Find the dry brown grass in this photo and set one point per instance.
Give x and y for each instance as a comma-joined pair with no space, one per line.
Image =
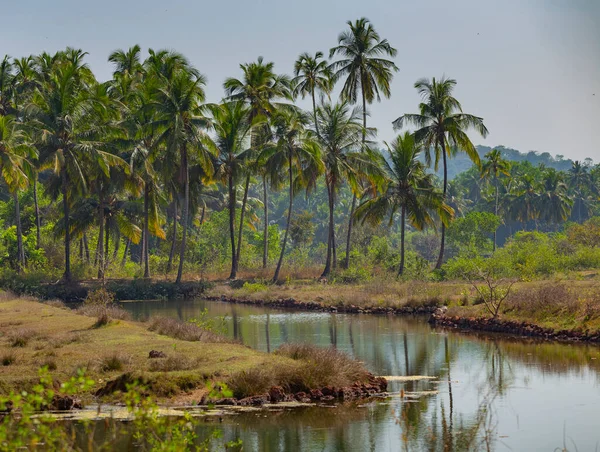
375,293
182,330
173,362
21,337
552,304
314,368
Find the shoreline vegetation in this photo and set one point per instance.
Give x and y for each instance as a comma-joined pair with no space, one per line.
167,357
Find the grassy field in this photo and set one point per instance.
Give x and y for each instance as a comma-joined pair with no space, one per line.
34,334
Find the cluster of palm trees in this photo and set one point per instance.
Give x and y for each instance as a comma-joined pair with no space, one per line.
118,155
521,194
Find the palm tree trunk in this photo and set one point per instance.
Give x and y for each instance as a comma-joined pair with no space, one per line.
99,248
116,248
244,201
402,232
146,254
81,249
364,138
315,111
186,206
496,213
124,260
347,258
234,263
65,186
172,251
37,213
107,242
86,248
287,225
143,252
265,224
330,240
440,260
20,250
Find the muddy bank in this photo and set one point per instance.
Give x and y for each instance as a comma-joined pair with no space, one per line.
315,306
516,328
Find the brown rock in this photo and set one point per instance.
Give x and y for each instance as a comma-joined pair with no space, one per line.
156,354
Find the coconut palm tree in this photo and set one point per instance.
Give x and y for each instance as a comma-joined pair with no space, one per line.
65,112
409,190
178,115
295,149
232,126
14,151
441,127
363,65
554,201
311,74
339,131
492,168
582,186
261,88
6,86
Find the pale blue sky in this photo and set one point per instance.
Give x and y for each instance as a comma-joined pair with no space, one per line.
529,67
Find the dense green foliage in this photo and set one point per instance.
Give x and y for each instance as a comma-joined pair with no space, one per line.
137,175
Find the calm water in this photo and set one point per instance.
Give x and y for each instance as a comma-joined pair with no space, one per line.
526,395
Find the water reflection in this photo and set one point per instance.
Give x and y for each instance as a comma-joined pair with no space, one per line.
490,392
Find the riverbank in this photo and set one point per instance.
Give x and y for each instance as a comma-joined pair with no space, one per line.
177,363
550,310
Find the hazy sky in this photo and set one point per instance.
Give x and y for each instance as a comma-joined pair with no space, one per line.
530,68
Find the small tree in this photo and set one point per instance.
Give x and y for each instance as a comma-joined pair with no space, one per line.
492,290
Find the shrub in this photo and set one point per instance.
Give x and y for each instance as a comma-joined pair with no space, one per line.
318,367
184,331
103,313
99,297
251,382
114,362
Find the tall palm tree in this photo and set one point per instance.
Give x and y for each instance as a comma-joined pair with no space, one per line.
362,62
25,80
178,115
64,113
294,148
232,126
6,85
441,127
14,150
581,184
554,203
492,168
311,74
409,189
339,131
523,198
261,88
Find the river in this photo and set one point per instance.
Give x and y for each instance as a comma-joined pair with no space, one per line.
488,392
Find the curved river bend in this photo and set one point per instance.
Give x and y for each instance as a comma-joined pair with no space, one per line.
488,390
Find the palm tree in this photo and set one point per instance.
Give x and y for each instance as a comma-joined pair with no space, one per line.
523,198
25,80
365,69
339,131
232,126
311,75
293,148
64,112
260,88
13,153
441,127
581,183
178,116
492,168
6,86
409,189
554,203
